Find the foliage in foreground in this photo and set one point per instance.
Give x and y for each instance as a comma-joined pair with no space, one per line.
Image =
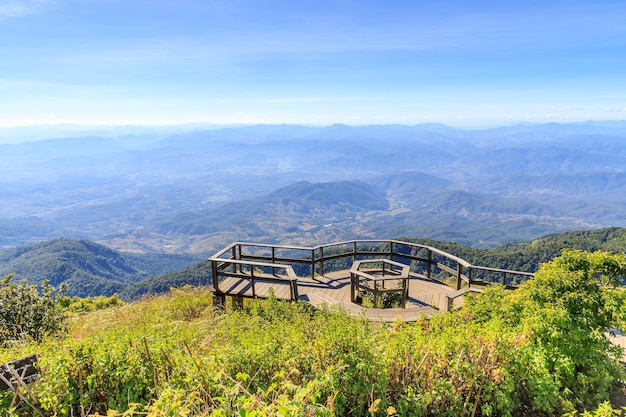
27,313
541,350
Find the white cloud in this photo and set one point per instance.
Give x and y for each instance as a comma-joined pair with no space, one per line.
18,8
294,100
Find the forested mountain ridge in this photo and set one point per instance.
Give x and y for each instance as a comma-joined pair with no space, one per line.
526,256
92,269
87,267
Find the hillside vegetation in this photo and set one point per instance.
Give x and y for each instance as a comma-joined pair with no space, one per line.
91,269
88,268
539,351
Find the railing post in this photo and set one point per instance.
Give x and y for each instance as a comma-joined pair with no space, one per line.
459,272
294,290
391,251
237,302
354,252
252,280
405,291
504,278
322,260
219,300
430,263
215,276
352,290
469,277
313,263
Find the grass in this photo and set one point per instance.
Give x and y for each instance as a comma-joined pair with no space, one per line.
176,355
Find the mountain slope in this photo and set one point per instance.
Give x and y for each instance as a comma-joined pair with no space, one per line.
87,267
194,191
281,211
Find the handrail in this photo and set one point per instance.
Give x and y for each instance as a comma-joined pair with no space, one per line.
292,278
291,275
314,257
391,274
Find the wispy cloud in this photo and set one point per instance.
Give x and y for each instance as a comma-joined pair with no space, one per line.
295,100
18,8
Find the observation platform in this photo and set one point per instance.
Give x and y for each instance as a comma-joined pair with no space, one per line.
424,279
425,296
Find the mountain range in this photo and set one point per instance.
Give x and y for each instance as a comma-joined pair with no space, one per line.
194,191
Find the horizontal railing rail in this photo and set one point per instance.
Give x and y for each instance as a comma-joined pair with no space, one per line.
370,276
425,260
254,272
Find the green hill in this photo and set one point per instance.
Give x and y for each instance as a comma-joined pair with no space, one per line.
197,275
87,267
526,256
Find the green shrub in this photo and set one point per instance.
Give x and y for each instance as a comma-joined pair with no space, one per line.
27,313
538,351
86,304
562,317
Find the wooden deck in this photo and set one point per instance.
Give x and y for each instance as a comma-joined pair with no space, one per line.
333,289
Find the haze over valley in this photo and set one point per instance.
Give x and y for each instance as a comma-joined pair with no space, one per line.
194,191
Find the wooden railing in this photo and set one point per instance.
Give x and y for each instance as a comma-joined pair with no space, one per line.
371,275
254,272
311,261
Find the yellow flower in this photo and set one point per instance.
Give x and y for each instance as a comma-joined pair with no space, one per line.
374,407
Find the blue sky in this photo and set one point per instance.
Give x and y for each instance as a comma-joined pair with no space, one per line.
462,63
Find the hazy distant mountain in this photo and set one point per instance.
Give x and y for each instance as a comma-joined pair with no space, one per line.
342,195
609,185
410,183
303,207
191,190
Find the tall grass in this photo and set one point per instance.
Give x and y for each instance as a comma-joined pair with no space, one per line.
176,355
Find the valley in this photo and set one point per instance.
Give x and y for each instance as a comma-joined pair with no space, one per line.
194,191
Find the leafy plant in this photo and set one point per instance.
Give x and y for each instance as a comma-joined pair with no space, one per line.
27,313
540,350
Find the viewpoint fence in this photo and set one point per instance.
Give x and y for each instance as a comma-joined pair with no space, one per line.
289,263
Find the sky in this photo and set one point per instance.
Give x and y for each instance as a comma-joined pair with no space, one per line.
167,62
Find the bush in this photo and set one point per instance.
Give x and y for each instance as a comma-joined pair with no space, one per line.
86,304
539,351
28,314
562,317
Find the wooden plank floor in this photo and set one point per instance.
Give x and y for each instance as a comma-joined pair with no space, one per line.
425,296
